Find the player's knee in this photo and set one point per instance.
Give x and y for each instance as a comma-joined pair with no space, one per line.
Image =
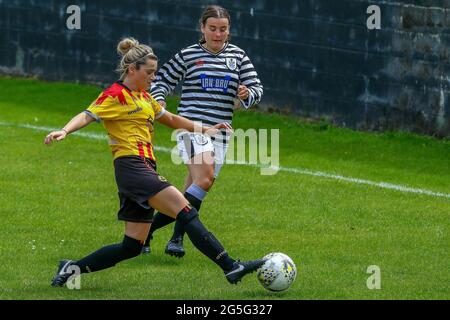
206,181
131,247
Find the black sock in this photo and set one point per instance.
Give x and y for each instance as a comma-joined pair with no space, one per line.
178,230
204,240
159,220
108,256
196,202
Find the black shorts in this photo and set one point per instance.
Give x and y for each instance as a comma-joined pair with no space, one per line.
137,181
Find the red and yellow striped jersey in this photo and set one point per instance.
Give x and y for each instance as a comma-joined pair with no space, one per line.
128,118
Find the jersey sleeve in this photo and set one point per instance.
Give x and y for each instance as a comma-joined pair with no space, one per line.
157,108
104,107
168,77
249,78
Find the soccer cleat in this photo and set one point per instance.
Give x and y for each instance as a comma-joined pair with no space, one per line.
240,269
175,247
62,274
146,250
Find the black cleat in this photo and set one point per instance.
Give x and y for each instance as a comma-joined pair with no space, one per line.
62,274
146,250
240,269
175,247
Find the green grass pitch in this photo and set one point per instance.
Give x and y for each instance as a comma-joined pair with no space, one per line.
61,202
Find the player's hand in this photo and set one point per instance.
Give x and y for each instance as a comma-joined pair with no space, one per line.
162,103
242,92
211,131
55,135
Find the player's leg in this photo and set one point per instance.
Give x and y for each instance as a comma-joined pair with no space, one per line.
203,170
197,152
108,256
160,220
189,145
137,180
192,148
173,203
201,173
188,181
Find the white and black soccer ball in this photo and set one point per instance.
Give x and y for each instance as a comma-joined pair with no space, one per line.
278,272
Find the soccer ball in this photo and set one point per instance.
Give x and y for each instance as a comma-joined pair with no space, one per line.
278,272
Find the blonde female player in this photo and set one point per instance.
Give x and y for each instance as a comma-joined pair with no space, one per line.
128,112
214,72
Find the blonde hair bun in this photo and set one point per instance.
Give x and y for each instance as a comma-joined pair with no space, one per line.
132,53
126,45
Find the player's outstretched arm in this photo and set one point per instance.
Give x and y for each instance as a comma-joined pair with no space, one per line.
177,122
81,120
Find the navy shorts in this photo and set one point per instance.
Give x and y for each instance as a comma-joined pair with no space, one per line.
137,181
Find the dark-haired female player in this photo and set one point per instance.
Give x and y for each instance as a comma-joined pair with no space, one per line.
213,73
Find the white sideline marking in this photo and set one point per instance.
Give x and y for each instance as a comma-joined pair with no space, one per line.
383,185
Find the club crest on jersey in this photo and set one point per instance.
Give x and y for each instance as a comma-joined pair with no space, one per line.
200,139
231,63
162,179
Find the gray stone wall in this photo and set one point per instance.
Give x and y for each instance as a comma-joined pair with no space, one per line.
316,58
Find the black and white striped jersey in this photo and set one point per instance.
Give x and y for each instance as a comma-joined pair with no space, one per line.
209,82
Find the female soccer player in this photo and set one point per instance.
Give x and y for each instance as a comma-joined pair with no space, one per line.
213,72
128,113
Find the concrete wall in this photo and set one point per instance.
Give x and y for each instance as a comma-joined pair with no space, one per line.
316,58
